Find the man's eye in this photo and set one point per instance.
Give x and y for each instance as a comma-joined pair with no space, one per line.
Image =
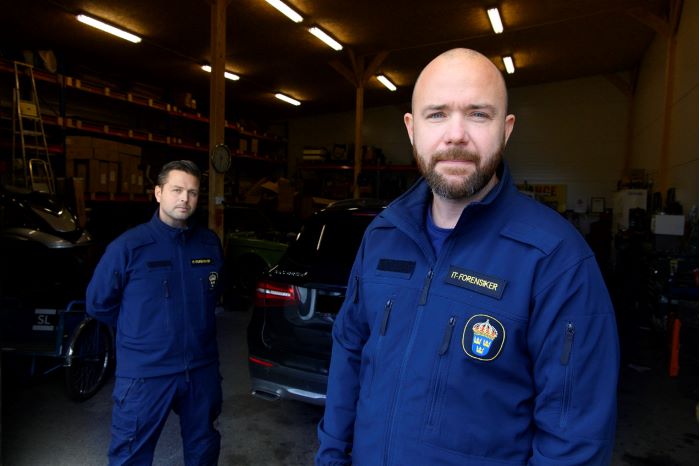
481,115
436,115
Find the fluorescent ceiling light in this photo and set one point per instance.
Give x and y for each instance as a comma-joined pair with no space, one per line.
288,99
227,75
107,28
495,19
384,80
325,38
286,11
508,63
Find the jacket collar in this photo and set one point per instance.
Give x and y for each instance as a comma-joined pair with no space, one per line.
408,211
163,228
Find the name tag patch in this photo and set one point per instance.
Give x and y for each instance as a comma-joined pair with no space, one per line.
396,267
159,264
475,281
202,261
483,337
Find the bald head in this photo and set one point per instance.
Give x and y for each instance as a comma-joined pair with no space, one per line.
466,63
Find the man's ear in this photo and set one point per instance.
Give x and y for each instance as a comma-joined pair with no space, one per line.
158,191
510,122
408,121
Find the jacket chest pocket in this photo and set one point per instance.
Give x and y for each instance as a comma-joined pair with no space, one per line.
146,310
208,286
469,407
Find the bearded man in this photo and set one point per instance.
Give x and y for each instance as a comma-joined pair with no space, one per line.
477,329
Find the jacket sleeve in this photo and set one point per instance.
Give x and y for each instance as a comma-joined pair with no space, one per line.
104,292
573,343
350,332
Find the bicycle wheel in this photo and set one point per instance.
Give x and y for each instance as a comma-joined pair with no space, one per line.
88,360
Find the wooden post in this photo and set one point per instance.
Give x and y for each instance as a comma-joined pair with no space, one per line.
217,105
359,116
358,76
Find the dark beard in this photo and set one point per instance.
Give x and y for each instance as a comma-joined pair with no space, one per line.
470,184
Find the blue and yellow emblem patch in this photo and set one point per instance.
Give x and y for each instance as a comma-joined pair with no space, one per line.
213,279
483,337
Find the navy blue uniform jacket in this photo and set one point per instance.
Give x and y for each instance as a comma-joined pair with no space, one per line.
159,286
501,350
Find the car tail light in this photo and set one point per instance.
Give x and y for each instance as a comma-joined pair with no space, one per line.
269,294
260,362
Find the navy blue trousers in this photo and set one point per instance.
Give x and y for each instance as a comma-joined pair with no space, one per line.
141,408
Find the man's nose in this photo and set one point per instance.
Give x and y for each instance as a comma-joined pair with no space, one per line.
456,131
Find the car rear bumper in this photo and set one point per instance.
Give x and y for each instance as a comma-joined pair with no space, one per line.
281,382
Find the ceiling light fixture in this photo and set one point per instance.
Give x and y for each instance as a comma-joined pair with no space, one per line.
384,80
495,19
288,99
286,10
227,75
325,38
107,28
508,63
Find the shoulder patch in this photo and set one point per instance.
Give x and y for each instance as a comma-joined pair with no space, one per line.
531,235
483,337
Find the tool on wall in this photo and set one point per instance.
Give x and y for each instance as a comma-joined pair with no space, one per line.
31,165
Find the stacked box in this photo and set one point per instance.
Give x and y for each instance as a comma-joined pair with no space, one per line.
107,166
131,180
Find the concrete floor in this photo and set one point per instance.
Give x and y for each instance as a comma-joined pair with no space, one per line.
657,416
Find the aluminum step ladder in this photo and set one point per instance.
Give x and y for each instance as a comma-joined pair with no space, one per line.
31,163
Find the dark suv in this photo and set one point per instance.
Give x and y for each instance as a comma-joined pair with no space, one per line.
289,335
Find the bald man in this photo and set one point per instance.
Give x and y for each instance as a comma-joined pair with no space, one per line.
477,329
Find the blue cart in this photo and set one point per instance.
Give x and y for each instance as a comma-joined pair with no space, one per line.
69,339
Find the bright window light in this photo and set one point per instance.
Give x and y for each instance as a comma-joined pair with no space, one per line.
508,63
286,10
227,75
107,28
325,38
495,19
384,80
288,99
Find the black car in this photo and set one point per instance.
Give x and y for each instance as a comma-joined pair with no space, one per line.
289,335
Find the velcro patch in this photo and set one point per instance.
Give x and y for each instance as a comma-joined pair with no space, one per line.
159,264
475,281
395,265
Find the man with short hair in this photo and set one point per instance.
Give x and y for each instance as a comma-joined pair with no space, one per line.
158,284
477,329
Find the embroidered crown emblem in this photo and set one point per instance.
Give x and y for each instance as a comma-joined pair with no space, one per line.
485,329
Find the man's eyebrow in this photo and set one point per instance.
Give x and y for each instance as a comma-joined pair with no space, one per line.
441,107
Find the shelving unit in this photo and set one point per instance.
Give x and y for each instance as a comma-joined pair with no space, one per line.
186,130
334,181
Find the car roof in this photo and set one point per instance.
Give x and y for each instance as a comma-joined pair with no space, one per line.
364,204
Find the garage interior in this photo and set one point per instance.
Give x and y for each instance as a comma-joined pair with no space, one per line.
606,102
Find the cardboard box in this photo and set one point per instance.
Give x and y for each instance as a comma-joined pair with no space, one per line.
106,150
79,152
79,147
91,171
84,141
113,177
100,182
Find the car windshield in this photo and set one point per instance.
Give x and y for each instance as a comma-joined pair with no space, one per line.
331,238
